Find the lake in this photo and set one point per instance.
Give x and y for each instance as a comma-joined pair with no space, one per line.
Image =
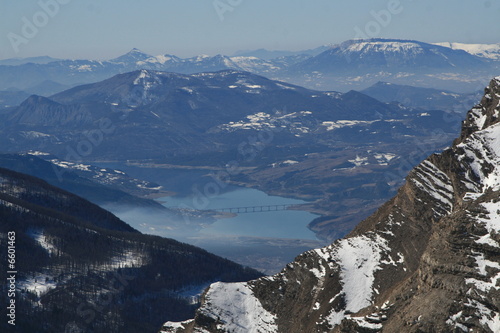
275,224
266,240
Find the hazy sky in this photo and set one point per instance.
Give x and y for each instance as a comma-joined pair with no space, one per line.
103,29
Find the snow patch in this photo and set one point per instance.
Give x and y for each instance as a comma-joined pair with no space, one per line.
42,240
37,153
384,158
332,125
363,322
358,258
34,135
359,161
174,327
237,309
452,321
125,260
262,120
39,284
487,316
492,224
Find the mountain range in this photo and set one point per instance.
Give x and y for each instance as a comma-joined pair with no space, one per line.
207,112
33,60
274,55
209,119
354,64
426,261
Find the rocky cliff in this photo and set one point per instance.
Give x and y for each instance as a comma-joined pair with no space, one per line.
427,261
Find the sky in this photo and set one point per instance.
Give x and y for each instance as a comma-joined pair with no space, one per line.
104,29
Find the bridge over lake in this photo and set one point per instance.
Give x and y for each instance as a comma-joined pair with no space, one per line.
253,209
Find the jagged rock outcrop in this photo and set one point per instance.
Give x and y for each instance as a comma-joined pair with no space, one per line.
427,261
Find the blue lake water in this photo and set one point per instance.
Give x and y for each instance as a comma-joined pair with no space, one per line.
276,224
266,241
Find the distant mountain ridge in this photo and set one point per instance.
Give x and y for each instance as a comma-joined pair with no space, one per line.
270,55
168,106
425,98
374,54
22,61
399,60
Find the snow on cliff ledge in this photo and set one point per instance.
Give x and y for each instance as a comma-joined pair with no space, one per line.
237,309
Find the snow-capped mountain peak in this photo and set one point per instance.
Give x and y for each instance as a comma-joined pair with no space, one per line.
132,56
382,46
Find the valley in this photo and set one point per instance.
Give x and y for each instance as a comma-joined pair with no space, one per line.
264,240
343,153
159,169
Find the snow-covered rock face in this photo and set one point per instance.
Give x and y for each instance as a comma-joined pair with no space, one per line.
485,113
231,307
426,261
356,259
237,309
